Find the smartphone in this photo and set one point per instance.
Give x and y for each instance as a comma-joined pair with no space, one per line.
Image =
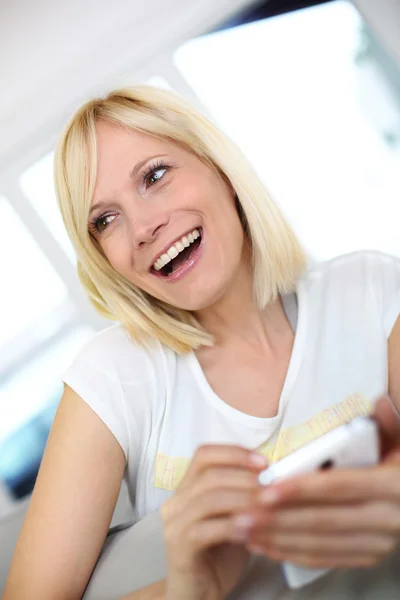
355,444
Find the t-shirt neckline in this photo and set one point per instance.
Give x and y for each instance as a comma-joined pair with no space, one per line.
266,423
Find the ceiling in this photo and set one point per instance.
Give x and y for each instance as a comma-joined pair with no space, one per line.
59,52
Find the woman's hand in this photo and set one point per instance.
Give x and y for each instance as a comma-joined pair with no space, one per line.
339,518
205,552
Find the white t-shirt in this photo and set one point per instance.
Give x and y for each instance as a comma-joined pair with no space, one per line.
160,407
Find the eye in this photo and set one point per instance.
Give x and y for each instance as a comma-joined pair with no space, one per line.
154,174
100,224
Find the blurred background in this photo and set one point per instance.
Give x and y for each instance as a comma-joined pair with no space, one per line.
309,90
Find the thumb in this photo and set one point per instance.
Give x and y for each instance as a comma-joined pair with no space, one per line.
388,420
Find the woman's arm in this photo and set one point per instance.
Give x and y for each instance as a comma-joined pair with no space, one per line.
394,365
71,507
156,591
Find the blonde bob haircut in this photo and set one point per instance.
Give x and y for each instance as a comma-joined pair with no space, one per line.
277,257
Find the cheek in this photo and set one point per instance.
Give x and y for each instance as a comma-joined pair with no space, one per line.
221,205
118,254
229,228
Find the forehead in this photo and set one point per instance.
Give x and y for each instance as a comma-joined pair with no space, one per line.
120,150
116,140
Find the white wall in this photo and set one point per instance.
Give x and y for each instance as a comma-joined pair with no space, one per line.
59,52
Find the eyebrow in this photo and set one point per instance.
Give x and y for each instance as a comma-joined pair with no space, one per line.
132,175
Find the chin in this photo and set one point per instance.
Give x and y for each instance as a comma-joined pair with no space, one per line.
198,297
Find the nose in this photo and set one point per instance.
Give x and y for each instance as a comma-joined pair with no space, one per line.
148,229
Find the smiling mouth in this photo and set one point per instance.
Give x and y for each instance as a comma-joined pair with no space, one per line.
179,255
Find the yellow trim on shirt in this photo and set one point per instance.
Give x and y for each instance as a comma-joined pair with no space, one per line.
170,470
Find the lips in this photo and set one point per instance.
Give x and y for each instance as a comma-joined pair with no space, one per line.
182,260
174,249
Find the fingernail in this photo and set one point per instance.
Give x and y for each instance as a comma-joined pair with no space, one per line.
243,522
239,535
258,460
269,496
256,550
241,527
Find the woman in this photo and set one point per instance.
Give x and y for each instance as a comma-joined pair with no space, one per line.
230,353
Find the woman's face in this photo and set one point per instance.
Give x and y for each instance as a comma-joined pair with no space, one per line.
164,220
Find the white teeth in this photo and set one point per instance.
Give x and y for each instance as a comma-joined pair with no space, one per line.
173,252
175,249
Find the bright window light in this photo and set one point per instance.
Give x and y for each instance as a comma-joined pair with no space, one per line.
39,382
38,186
159,82
30,285
311,99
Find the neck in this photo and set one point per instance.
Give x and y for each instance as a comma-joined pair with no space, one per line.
235,317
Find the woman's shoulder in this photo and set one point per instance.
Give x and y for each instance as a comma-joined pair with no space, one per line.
368,280
112,340
354,267
113,352
122,383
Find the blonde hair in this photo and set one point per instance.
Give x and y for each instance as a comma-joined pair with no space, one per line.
278,259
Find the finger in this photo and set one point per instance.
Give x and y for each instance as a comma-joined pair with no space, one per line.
223,455
207,494
336,487
319,560
225,477
388,420
377,545
392,457
214,503
213,480
368,517
207,533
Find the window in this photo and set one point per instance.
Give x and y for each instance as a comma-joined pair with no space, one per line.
160,82
314,102
38,186
33,287
41,330
28,401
